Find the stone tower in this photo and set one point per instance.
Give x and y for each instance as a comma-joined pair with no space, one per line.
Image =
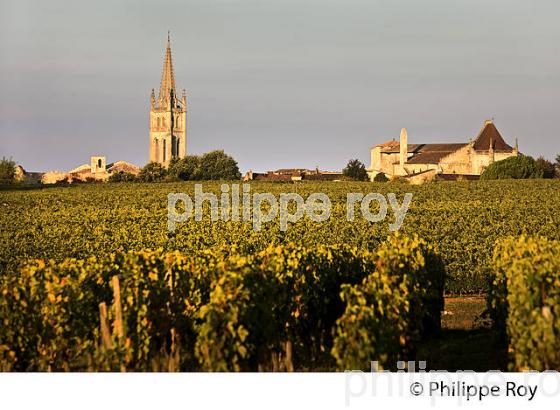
168,117
403,150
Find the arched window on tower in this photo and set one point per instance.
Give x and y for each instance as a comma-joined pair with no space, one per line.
99,164
159,122
177,149
164,149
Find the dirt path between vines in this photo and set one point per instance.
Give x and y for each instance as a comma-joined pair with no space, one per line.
466,341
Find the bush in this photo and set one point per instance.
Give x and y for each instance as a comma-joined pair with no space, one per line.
7,171
391,310
518,167
122,176
525,301
152,172
547,168
356,170
380,177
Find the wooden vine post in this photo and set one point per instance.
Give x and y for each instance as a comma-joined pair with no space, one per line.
118,327
106,343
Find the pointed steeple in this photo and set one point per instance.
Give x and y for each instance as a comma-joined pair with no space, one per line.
168,76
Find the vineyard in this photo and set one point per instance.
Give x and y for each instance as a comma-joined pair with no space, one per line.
92,280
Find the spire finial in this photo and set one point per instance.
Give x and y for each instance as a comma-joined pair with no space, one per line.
168,36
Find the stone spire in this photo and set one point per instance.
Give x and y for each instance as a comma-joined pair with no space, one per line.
168,76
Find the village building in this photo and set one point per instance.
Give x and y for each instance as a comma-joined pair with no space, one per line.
423,162
293,174
168,117
96,170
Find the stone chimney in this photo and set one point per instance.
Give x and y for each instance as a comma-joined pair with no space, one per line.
404,148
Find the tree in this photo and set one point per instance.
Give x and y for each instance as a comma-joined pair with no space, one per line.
216,165
356,170
548,169
122,176
186,169
518,167
7,171
152,172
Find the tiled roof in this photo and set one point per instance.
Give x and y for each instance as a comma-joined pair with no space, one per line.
433,153
488,133
290,171
124,167
330,176
395,146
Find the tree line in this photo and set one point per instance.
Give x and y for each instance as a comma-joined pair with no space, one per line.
217,165
214,165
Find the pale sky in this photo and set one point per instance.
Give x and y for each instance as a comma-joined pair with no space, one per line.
276,84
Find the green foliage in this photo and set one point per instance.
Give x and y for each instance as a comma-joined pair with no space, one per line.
380,177
7,171
280,296
186,169
217,165
463,220
217,311
152,172
518,167
51,311
287,284
122,176
525,300
389,312
214,165
356,170
547,168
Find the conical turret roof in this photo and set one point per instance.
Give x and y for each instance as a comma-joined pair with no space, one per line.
489,135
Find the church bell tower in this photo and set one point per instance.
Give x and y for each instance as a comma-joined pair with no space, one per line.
168,117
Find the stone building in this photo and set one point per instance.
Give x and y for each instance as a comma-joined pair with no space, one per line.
168,117
422,162
96,170
293,174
